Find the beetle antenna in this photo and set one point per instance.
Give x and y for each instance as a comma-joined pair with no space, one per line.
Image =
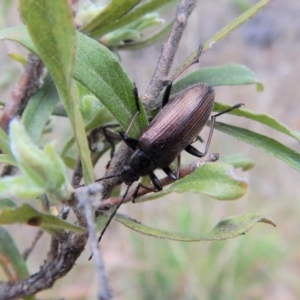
111,216
110,176
194,61
131,122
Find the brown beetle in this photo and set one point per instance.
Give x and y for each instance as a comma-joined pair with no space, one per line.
173,130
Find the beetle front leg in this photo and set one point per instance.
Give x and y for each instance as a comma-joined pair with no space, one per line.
155,182
170,173
166,95
130,142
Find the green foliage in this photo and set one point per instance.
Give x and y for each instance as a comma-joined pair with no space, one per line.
89,81
225,229
214,179
42,170
56,48
25,214
39,109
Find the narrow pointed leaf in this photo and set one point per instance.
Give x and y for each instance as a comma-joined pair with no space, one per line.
26,214
216,76
111,13
225,31
4,142
131,16
147,41
261,118
270,145
99,71
56,47
7,203
7,159
225,229
216,180
11,260
39,109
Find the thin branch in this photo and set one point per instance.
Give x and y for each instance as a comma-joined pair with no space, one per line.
168,52
29,83
70,250
87,198
108,203
28,251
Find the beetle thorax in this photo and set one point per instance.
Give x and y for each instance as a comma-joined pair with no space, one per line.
140,163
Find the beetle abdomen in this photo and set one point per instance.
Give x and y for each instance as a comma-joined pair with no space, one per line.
177,124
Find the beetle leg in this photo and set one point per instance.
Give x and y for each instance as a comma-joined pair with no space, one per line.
213,121
136,97
192,150
178,165
170,173
140,185
112,215
155,182
130,142
199,138
166,94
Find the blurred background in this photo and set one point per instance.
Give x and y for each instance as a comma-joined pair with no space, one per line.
263,264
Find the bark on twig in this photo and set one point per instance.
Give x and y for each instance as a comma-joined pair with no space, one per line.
88,198
168,52
29,83
70,250
108,203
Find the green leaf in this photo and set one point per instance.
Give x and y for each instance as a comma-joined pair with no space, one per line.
39,109
148,41
26,214
216,76
56,47
225,229
235,24
7,203
101,117
279,150
4,142
17,186
261,118
112,12
18,34
221,34
44,169
216,180
99,71
7,159
131,16
11,260
238,160
133,31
